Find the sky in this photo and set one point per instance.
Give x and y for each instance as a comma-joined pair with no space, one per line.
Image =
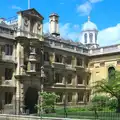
73,14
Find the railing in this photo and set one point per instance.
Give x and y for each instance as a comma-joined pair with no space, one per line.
7,83
6,35
8,58
105,50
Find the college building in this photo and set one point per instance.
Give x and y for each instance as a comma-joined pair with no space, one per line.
32,61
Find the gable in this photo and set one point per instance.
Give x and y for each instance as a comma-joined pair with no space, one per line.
32,12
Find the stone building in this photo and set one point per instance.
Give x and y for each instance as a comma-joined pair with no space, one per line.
32,61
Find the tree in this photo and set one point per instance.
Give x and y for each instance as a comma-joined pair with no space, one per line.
49,101
111,86
99,102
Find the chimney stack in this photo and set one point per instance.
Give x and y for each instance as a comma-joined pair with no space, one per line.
54,24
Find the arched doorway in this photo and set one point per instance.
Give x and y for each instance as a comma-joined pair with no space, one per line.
31,98
111,73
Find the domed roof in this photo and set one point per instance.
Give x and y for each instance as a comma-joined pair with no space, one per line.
89,25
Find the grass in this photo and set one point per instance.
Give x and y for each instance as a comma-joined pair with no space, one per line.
82,114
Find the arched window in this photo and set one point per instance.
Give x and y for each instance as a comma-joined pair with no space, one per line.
91,37
95,37
85,37
111,73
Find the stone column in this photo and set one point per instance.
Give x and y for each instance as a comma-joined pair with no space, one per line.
73,61
17,97
18,58
22,59
74,79
64,79
63,59
52,57
74,98
22,97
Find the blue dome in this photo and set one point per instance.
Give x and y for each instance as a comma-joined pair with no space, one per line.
89,26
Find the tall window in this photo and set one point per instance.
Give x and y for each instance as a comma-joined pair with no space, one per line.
111,73
69,97
80,97
95,37
85,37
8,97
46,56
47,76
60,100
8,73
58,58
68,60
79,61
32,66
79,79
69,78
37,67
58,78
8,49
91,37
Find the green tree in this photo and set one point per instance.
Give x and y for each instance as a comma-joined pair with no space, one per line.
99,102
49,101
110,86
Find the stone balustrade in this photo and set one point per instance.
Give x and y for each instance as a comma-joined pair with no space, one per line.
105,50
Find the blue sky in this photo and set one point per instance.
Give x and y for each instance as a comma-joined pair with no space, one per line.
73,13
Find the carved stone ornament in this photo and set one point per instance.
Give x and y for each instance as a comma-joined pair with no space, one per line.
42,72
39,26
26,22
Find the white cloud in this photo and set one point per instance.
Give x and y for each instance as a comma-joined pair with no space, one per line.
67,30
84,9
16,7
46,27
109,35
95,1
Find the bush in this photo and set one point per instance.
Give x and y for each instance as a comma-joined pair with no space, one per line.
49,101
112,104
99,102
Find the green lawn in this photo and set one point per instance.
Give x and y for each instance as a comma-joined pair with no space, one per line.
102,115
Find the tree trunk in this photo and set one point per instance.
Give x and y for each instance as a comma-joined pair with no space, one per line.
118,106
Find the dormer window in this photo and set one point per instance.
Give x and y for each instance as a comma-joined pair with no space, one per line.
85,37
91,37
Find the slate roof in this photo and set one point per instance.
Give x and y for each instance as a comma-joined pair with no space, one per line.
63,40
4,25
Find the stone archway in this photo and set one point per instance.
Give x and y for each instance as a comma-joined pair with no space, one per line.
31,99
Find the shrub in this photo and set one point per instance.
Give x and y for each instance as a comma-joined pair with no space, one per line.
49,101
112,104
99,102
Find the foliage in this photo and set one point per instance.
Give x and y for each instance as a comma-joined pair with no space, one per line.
99,102
112,104
49,101
110,86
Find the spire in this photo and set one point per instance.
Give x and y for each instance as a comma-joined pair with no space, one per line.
88,18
